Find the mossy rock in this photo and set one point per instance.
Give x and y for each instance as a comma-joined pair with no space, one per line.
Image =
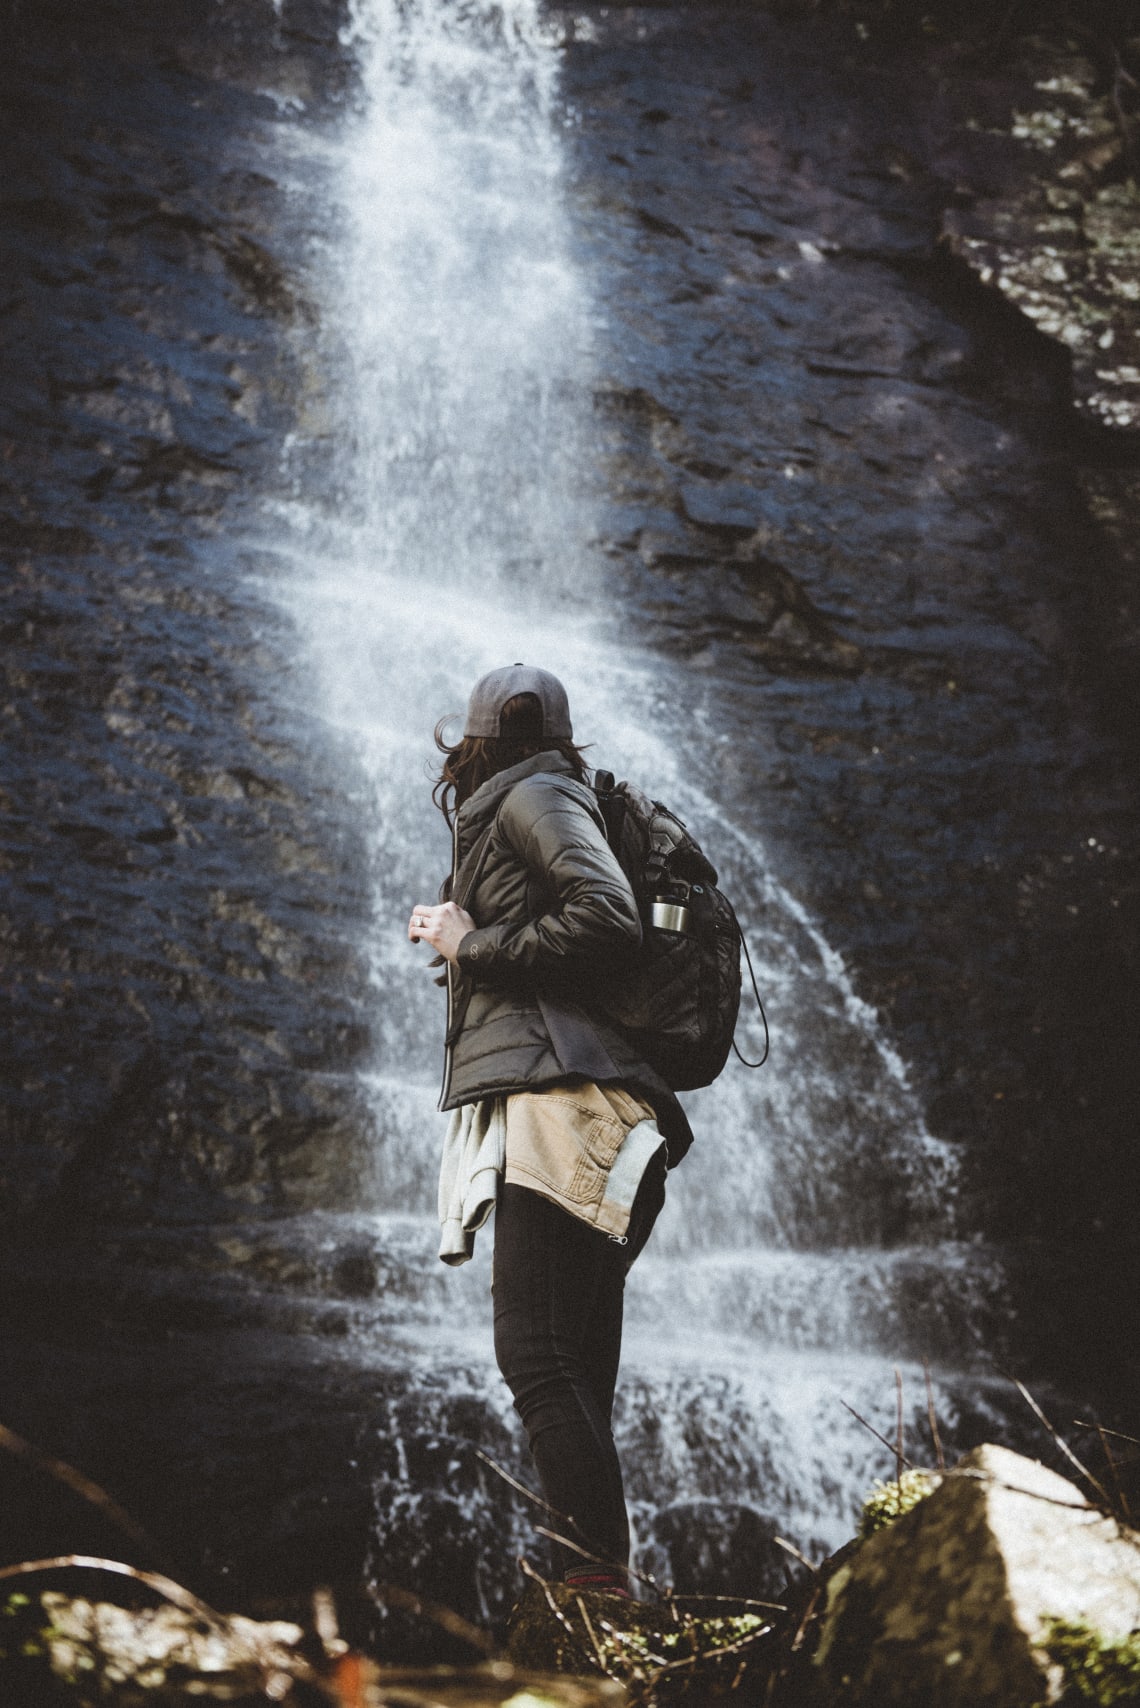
538,1641
1098,1669
662,1652
888,1501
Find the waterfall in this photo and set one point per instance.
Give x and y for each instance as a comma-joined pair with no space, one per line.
810,1240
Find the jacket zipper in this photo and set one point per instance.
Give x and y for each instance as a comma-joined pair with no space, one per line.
446,1085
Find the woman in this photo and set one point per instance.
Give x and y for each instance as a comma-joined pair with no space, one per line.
555,1113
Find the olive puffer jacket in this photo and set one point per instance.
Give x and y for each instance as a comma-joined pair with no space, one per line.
555,918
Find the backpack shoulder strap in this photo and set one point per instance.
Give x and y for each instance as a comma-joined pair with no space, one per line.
612,802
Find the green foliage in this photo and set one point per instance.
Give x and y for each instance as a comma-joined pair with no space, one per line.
695,1638
1100,1669
888,1501
21,1633
665,1654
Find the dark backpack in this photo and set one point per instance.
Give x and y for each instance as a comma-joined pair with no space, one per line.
680,1000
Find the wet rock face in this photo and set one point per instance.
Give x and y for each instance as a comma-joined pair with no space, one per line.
1045,211
183,890
1064,246
844,478
717,1548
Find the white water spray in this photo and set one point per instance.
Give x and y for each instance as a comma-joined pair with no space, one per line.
461,358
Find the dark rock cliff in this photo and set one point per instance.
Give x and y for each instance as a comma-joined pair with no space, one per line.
871,482
184,889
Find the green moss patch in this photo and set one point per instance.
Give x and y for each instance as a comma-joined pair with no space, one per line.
888,1501
1100,1669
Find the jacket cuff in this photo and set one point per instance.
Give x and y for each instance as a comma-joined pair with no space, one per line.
476,949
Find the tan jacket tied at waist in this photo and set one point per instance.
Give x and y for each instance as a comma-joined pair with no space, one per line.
583,1146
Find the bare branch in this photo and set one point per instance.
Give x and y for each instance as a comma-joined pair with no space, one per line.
521,1488
528,1571
1110,1459
391,1594
967,1473
598,1559
1061,1442
736,1601
859,1418
592,1634
574,1547
790,1548
808,1615
703,1655
164,1586
1103,1429
934,1435
80,1485
658,1660
1123,122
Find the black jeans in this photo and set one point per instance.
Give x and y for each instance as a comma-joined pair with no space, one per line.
558,1286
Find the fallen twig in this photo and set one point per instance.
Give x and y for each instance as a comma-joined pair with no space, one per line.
528,1571
702,1655
969,1473
563,1518
173,1592
1121,1497
790,1548
889,1445
385,1594
736,1601
934,1435
658,1660
806,1617
592,1634
1103,1429
161,1584
1120,77
600,1559
535,1499
1062,1443
80,1485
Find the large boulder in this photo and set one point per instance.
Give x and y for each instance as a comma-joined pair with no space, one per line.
953,1605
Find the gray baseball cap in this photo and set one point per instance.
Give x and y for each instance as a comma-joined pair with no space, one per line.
491,693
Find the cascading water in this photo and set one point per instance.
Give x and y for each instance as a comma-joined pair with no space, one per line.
461,350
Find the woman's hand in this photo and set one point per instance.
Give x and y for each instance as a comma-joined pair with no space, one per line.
443,926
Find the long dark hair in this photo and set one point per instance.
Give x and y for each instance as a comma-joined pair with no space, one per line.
471,760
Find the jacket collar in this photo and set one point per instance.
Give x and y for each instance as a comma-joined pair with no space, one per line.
478,810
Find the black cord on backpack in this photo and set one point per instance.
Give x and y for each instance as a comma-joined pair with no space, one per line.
760,1006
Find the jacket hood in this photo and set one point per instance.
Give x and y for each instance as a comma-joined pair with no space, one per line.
480,808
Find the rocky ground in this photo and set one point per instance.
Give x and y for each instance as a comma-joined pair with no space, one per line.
990,1580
